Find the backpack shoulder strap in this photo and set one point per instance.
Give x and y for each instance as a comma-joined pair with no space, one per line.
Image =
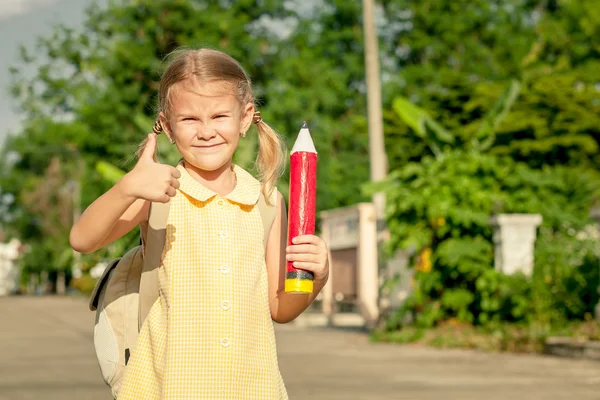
154,242
267,214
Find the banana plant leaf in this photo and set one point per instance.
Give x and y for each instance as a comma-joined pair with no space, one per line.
109,172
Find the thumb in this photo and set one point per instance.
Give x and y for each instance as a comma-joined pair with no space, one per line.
149,151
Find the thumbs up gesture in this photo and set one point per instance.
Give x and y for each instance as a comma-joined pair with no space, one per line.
150,180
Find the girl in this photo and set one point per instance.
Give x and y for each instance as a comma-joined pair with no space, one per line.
210,334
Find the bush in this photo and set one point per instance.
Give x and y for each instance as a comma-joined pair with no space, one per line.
84,284
442,207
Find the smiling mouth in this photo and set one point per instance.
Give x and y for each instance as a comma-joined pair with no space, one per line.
208,146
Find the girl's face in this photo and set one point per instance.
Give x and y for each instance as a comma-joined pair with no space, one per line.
205,121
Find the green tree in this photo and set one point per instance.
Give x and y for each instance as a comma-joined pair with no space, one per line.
557,120
441,52
454,58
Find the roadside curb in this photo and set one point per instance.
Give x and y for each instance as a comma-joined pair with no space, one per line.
568,347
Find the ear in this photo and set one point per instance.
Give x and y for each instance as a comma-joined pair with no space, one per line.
164,121
247,114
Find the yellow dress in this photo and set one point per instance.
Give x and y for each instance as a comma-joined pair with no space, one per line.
210,334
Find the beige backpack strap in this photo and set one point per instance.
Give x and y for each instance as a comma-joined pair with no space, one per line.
154,242
267,214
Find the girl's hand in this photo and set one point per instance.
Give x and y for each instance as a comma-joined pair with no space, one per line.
150,180
310,253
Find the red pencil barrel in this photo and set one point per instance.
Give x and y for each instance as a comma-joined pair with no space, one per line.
303,196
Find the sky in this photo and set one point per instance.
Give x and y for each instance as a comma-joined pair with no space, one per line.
21,23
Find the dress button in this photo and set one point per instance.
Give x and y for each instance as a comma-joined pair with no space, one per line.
224,234
225,305
224,269
225,342
220,203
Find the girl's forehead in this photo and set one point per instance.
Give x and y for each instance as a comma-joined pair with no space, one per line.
191,95
192,86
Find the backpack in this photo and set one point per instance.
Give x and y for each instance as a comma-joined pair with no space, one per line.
128,288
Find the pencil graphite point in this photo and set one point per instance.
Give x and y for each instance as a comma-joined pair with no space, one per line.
304,141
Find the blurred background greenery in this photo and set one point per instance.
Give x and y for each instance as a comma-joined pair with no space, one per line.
490,106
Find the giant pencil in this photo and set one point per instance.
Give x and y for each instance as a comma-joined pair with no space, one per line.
302,208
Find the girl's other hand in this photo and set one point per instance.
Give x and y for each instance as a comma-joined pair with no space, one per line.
150,180
310,253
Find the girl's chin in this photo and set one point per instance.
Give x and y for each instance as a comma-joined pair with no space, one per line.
209,164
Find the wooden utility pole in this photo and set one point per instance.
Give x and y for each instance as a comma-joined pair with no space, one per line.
377,156
76,193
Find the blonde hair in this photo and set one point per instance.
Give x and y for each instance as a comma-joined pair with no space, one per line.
207,65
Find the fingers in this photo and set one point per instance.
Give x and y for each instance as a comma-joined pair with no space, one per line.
171,192
304,257
303,248
319,271
307,239
150,148
175,173
309,253
309,248
309,266
171,183
156,182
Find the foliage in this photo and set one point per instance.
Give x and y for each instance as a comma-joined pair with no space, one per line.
441,206
458,66
535,153
520,338
444,51
566,277
84,284
555,122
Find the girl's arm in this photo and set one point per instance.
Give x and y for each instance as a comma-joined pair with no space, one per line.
126,204
310,252
107,219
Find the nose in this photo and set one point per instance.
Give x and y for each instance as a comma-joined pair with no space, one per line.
205,131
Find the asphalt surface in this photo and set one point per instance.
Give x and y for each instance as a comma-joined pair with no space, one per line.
46,352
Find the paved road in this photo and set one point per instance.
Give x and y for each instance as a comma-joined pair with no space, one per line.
46,353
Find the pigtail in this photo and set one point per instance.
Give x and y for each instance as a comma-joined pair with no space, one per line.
271,157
